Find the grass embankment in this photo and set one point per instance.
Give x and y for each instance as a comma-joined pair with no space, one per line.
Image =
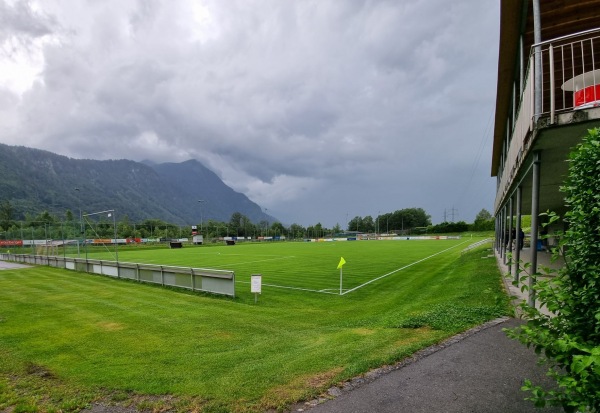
68,339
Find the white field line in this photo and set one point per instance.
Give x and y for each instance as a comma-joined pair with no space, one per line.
293,288
400,269
255,261
229,254
327,290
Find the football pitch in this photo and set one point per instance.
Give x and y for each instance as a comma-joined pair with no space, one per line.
303,266
68,339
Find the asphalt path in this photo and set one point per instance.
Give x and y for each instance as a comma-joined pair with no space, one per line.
481,371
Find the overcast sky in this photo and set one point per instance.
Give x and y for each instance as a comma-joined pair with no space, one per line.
317,110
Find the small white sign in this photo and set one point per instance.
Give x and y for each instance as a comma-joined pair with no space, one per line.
255,283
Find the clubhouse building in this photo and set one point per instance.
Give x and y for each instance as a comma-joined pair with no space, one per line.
548,96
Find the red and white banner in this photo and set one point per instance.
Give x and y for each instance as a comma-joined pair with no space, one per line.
11,243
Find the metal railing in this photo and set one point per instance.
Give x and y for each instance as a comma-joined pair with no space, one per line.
195,279
477,244
519,143
568,65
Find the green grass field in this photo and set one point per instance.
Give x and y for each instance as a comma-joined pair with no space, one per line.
68,339
303,265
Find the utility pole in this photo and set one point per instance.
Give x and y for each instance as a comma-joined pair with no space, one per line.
453,212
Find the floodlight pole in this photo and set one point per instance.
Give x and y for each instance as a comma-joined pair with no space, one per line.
266,224
200,201
112,212
116,241
85,245
80,221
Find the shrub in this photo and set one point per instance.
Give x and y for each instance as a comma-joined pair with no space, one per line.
569,340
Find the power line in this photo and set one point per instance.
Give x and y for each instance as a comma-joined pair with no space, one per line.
482,145
453,212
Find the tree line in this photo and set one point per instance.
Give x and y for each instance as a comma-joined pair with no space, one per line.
417,221
50,226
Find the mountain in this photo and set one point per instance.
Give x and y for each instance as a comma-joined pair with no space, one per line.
34,180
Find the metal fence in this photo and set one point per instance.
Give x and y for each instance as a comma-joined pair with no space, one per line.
569,72
195,279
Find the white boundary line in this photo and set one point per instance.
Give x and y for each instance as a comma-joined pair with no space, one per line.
400,269
325,290
293,288
283,257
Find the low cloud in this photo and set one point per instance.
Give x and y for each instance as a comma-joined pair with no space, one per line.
310,108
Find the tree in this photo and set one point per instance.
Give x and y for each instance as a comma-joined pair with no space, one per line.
483,215
368,225
355,224
336,229
263,225
151,228
384,222
570,338
124,228
405,219
449,227
6,214
315,231
246,226
297,231
46,217
318,230
236,223
278,229
483,221
415,217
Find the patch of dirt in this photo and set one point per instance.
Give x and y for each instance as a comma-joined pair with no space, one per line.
33,369
108,326
102,408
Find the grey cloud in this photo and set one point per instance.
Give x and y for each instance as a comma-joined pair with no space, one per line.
285,100
20,21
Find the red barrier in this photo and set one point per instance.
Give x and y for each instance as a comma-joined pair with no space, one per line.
11,243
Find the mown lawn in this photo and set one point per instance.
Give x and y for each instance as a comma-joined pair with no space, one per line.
307,265
67,339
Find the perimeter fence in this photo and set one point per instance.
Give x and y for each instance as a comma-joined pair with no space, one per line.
195,279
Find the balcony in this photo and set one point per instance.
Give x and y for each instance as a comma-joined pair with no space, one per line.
560,86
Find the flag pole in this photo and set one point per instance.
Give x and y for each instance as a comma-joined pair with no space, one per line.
340,267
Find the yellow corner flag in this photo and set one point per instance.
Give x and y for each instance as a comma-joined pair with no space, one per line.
342,262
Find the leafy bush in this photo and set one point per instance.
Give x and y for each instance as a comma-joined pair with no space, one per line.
570,339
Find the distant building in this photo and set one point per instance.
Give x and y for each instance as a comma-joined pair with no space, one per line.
548,96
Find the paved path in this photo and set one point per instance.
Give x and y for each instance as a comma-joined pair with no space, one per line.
483,372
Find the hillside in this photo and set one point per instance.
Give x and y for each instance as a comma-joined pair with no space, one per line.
34,180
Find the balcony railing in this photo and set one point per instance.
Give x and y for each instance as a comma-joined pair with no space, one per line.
569,68
568,72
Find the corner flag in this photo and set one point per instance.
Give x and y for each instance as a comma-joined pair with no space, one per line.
341,264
